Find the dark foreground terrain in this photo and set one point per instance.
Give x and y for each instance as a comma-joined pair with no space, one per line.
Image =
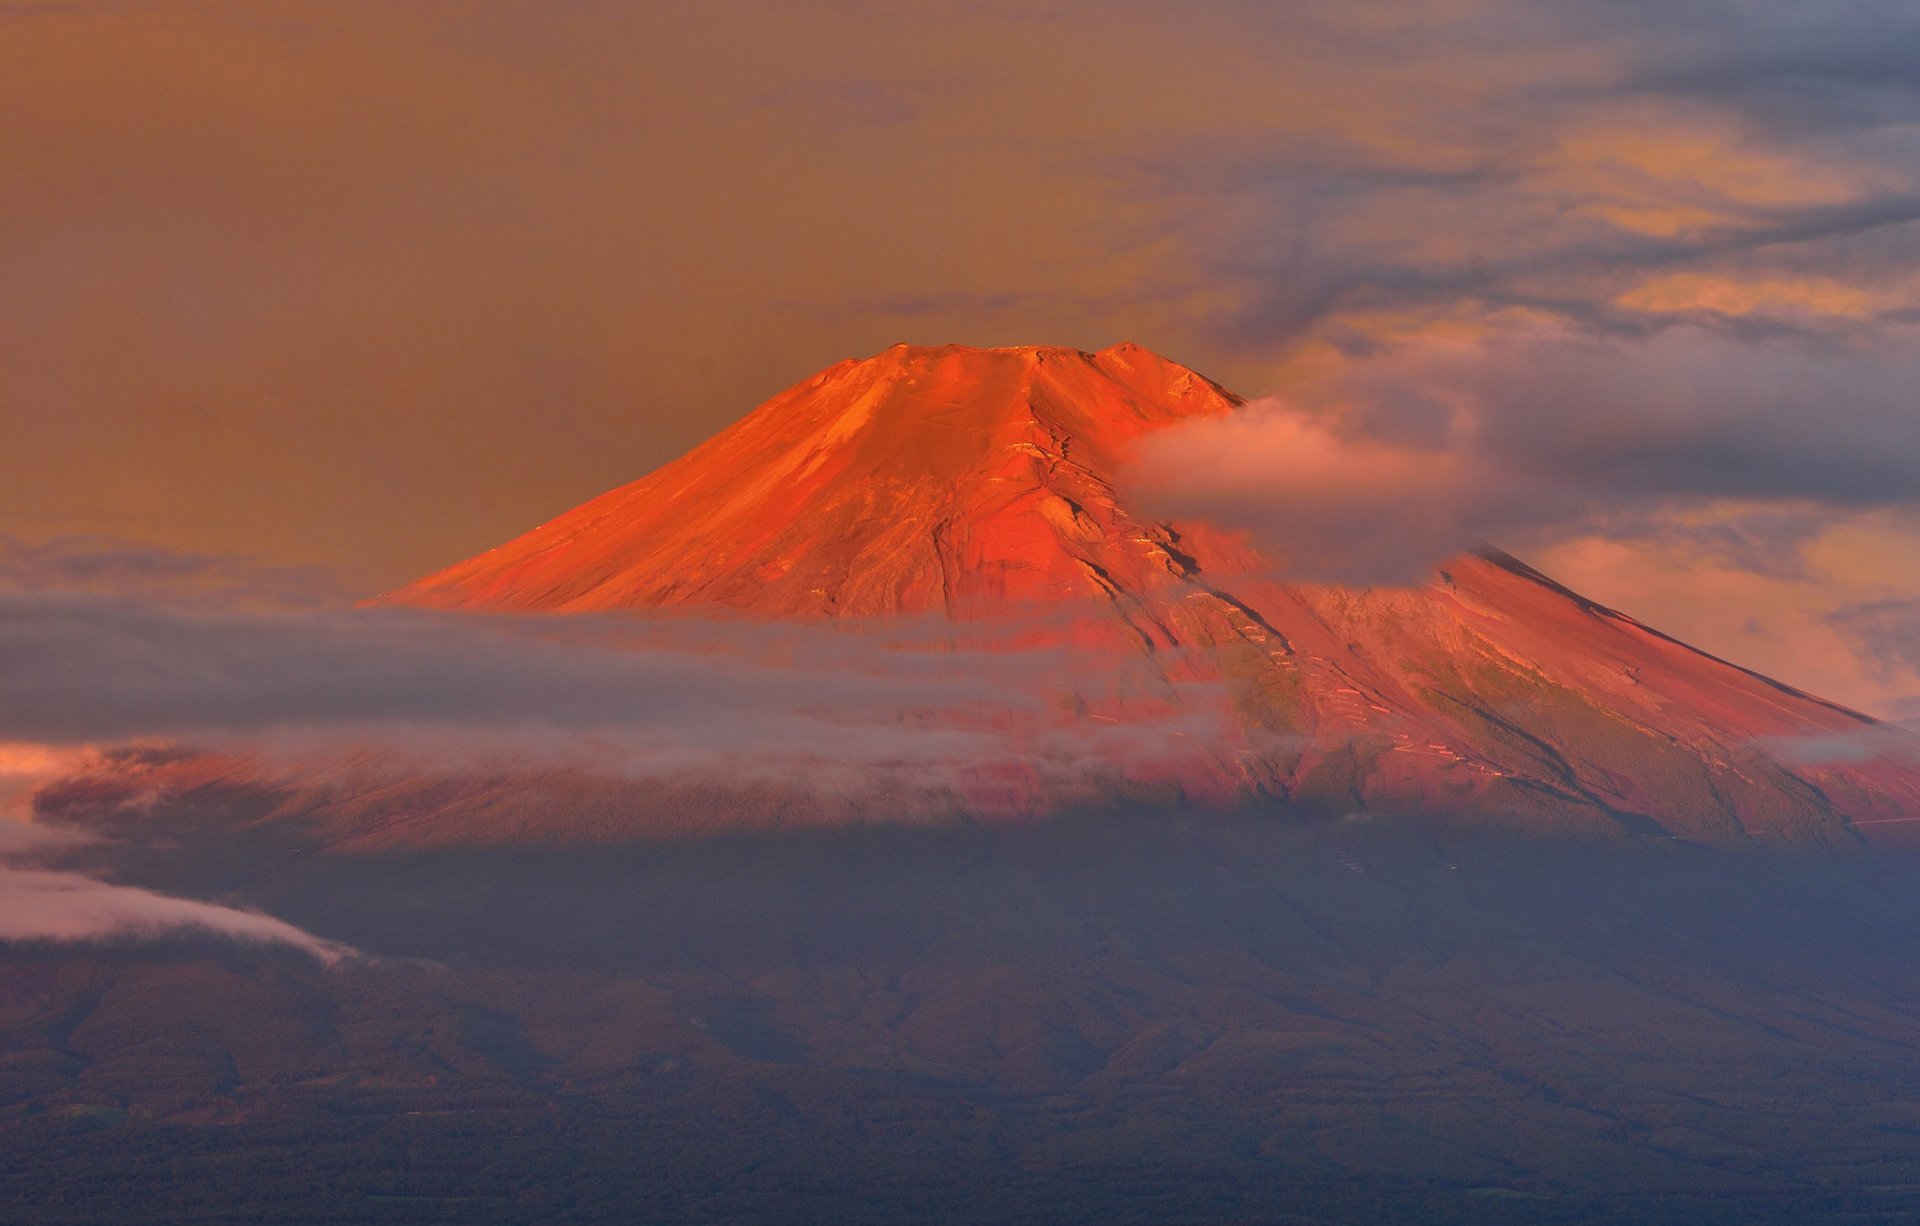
1245,1019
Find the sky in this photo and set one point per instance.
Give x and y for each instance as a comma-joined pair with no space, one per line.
341,292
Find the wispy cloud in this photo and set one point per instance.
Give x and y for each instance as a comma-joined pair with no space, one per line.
109,565
1885,632
44,905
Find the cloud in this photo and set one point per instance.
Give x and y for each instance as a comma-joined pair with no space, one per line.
1841,747
1383,467
1329,506
895,709
44,905
1512,156
1608,269
82,669
1885,632
24,768
108,565
1687,414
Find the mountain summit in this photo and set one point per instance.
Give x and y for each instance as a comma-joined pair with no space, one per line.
922,479
980,482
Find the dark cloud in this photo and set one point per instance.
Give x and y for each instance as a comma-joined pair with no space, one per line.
84,669
1335,247
1689,413
1794,67
1607,294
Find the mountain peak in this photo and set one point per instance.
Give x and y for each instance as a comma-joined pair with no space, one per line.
921,478
1123,387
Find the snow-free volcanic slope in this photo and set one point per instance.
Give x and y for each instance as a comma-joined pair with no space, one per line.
921,479
988,484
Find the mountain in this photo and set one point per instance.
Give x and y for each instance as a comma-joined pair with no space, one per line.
988,486
1187,1002
946,479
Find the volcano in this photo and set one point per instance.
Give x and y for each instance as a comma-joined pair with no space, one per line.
948,479
1232,897
985,484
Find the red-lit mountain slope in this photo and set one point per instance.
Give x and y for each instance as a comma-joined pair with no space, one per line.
921,479
988,484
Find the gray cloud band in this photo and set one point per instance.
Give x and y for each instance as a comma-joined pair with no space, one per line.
843,709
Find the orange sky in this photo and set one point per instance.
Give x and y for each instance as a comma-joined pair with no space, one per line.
372,286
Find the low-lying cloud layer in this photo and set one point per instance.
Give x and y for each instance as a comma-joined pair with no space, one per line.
342,695
44,905
885,710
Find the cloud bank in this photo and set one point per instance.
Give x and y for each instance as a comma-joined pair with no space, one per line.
898,709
